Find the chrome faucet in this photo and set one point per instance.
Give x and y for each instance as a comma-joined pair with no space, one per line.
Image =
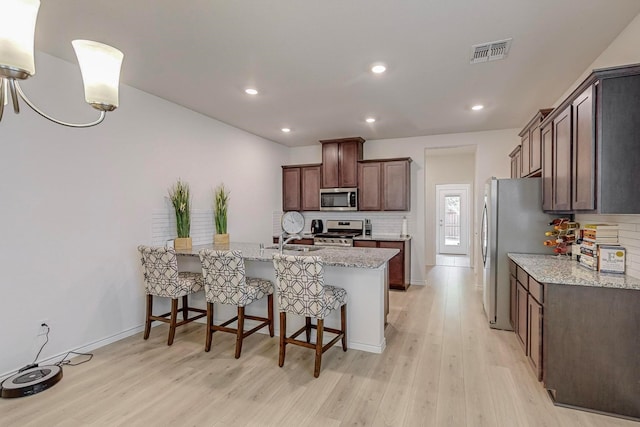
282,241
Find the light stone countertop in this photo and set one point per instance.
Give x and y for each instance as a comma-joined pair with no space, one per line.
384,237
303,235
331,256
564,271
379,237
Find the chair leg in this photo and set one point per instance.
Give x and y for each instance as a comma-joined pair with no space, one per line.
343,321
174,316
320,330
240,331
308,328
270,313
207,345
147,323
283,333
185,307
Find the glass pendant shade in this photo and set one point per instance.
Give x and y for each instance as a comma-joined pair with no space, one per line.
17,33
100,66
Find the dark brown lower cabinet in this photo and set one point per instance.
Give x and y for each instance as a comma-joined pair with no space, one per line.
591,348
365,243
513,306
534,350
526,315
521,324
399,265
583,343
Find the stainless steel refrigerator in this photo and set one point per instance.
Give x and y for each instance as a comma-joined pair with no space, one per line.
512,221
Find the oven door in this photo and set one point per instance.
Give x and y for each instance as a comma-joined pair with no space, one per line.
339,199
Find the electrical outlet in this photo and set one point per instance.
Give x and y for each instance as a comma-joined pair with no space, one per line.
42,330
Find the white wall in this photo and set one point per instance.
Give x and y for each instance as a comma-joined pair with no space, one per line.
492,159
622,51
75,203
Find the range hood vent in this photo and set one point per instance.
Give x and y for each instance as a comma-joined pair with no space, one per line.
491,51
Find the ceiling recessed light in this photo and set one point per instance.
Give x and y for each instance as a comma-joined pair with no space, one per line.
477,107
378,69
370,120
251,91
285,130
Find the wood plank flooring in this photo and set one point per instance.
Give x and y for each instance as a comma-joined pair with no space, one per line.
443,366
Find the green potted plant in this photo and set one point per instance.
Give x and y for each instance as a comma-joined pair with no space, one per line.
221,196
181,200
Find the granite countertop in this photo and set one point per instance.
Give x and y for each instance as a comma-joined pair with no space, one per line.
384,237
331,256
303,235
562,270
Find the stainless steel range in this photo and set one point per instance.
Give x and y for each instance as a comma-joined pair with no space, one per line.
339,233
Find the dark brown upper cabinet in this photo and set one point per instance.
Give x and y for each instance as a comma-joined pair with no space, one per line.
515,162
340,162
301,187
385,185
547,167
594,142
531,145
561,161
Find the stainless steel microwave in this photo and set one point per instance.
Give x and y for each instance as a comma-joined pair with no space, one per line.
338,199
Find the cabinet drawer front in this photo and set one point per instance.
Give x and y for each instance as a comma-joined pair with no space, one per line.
522,277
535,289
512,268
365,244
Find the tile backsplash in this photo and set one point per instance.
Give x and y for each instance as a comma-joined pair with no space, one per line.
163,226
382,223
628,236
163,223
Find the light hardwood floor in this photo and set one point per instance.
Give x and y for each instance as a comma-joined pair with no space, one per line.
443,366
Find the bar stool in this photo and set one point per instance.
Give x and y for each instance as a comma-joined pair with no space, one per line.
162,279
301,291
225,282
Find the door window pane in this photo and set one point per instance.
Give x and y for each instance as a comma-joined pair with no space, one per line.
452,220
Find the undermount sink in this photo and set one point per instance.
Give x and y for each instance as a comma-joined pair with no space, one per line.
297,248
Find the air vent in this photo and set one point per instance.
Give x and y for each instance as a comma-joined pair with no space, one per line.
490,51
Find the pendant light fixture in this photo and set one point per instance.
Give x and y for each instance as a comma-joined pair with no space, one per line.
99,63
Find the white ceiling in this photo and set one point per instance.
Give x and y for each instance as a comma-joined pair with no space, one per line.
310,59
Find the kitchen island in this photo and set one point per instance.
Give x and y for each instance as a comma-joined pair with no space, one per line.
362,272
586,325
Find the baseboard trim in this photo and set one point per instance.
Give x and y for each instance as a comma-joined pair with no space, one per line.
83,349
137,329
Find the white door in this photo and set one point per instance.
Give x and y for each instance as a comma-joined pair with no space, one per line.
453,218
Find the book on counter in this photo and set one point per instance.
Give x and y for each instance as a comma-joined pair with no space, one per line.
588,261
601,240
601,226
611,259
599,234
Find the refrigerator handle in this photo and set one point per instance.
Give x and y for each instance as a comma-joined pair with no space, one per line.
484,235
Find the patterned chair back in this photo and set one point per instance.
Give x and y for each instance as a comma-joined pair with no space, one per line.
300,283
224,276
160,269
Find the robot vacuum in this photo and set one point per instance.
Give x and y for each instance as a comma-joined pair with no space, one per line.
31,381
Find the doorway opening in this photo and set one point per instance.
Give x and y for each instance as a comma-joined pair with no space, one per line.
453,218
447,167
